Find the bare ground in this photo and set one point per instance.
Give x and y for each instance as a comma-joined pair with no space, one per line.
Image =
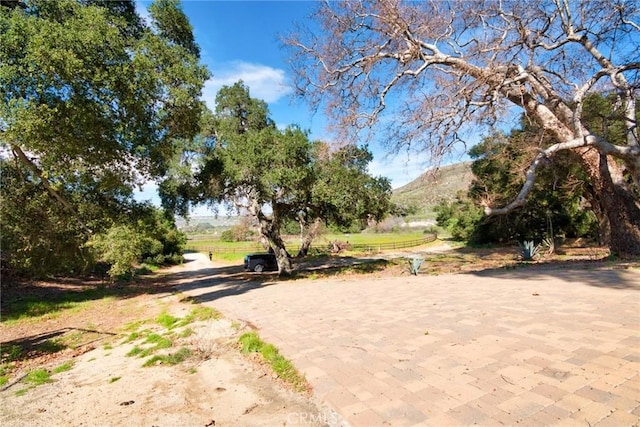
217,385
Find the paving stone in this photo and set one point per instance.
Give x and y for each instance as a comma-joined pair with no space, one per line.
619,418
366,418
592,413
493,355
520,407
549,391
467,415
594,394
572,403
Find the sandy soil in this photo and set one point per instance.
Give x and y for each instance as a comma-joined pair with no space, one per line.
216,386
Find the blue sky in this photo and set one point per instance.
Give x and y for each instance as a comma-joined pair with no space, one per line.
239,41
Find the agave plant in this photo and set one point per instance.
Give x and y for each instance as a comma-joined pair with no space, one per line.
414,265
528,250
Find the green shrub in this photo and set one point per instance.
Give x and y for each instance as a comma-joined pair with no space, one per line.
460,217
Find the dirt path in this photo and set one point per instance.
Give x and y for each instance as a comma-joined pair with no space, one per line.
107,387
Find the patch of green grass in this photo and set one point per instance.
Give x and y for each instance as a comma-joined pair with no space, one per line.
66,366
159,341
133,336
251,343
237,250
201,313
187,332
4,375
197,314
169,359
167,321
134,326
135,351
38,377
114,379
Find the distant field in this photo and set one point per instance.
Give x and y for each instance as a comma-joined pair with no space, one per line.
235,251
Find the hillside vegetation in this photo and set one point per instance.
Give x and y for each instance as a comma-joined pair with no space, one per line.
431,187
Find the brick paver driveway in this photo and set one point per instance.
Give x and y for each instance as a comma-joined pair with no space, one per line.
531,346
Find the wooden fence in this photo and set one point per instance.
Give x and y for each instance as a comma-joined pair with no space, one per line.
357,247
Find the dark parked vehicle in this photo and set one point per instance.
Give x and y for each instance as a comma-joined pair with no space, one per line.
260,262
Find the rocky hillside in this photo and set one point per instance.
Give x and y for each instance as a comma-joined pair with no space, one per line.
429,188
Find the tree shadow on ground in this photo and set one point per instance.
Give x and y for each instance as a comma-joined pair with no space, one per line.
49,342
31,298
233,280
590,265
598,273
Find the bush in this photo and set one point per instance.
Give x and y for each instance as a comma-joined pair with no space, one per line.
120,246
459,217
153,239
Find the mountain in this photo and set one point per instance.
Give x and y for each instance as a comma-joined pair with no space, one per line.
432,186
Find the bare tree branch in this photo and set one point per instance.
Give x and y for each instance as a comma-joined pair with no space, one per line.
26,161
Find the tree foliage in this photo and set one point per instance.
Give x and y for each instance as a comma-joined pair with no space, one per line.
276,176
394,69
561,200
558,203
37,237
92,102
344,193
151,238
460,217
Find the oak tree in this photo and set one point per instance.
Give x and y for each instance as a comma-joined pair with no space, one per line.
277,176
93,101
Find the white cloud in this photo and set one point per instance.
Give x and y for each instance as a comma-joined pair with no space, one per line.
264,82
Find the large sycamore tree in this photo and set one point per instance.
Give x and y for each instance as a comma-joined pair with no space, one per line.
93,101
424,72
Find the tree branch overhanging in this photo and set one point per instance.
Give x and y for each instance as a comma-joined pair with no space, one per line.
24,159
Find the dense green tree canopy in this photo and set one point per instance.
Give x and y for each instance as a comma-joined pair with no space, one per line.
275,175
561,200
93,102
344,194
